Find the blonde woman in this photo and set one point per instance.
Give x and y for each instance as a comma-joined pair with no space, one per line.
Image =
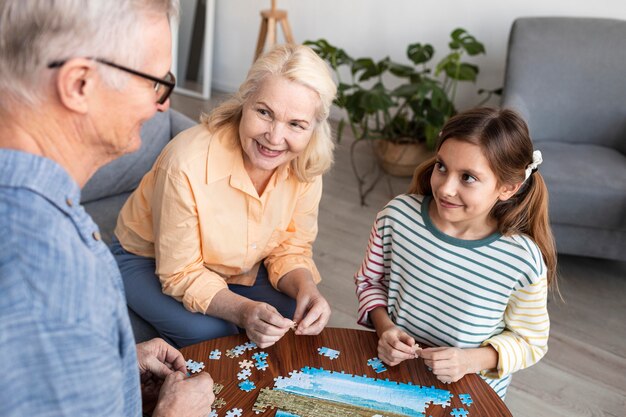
218,235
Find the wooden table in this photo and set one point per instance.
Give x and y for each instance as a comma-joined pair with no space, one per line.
356,347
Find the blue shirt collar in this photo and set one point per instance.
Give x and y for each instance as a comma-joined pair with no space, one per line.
41,175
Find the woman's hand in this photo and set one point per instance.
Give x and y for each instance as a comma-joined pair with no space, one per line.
263,323
312,310
395,346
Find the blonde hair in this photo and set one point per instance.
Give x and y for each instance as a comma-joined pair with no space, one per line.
296,63
34,33
505,141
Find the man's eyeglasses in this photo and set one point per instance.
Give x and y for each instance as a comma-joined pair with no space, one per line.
162,86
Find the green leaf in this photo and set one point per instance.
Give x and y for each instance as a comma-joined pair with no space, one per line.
465,72
399,70
406,90
419,53
368,68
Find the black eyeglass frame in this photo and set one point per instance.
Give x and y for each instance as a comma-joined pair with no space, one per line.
167,83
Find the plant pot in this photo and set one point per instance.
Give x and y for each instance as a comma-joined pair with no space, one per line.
401,158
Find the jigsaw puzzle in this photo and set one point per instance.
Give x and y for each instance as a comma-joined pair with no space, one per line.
314,392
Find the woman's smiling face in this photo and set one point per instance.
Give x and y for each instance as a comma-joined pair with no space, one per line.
277,124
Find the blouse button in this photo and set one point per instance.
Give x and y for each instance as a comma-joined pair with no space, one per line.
69,202
253,246
96,235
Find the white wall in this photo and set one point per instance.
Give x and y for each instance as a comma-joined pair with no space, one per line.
378,28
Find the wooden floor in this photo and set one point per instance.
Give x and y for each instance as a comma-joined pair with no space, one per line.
584,372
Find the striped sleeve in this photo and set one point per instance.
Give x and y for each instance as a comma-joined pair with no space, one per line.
371,282
525,338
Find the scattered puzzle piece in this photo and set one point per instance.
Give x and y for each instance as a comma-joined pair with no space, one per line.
219,403
261,365
244,374
215,354
235,412
246,364
213,413
328,352
247,385
259,356
459,412
466,399
194,367
217,388
377,365
250,345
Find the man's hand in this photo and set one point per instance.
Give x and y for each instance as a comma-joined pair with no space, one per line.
185,396
263,323
158,358
395,346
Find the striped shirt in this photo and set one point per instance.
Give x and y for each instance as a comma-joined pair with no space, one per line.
445,291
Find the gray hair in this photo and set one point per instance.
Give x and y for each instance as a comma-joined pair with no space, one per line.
34,33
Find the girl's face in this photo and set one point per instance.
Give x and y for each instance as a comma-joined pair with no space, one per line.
277,124
465,189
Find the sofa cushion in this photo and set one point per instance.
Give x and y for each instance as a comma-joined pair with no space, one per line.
124,173
587,184
104,212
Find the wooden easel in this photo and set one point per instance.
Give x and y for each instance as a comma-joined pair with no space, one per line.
269,19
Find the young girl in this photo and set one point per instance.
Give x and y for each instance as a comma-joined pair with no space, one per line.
463,262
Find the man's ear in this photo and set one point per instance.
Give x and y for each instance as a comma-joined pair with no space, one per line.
75,81
508,190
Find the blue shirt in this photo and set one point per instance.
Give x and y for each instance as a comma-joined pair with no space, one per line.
66,345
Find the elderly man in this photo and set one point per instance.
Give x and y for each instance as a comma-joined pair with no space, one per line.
77,80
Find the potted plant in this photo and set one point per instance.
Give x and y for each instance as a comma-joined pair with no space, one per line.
403,120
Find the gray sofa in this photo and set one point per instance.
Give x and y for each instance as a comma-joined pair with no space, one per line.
566,77
106,192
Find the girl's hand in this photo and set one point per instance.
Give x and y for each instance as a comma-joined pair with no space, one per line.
263,323
448,364
395,346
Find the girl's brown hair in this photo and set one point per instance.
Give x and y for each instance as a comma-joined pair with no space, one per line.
505,141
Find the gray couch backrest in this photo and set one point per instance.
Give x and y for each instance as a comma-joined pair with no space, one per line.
124,174
567,77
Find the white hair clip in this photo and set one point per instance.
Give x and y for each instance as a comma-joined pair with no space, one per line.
532,167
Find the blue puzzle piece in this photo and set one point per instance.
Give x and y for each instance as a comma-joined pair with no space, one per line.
328,352
194,367
459,412
466,399
377,365
247,385
259,356
215,354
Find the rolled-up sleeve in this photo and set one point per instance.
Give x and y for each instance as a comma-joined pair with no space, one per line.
178,246
525,338
295,250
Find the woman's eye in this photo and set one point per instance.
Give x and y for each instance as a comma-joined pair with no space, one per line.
439,167
468,178
296,125
263,112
